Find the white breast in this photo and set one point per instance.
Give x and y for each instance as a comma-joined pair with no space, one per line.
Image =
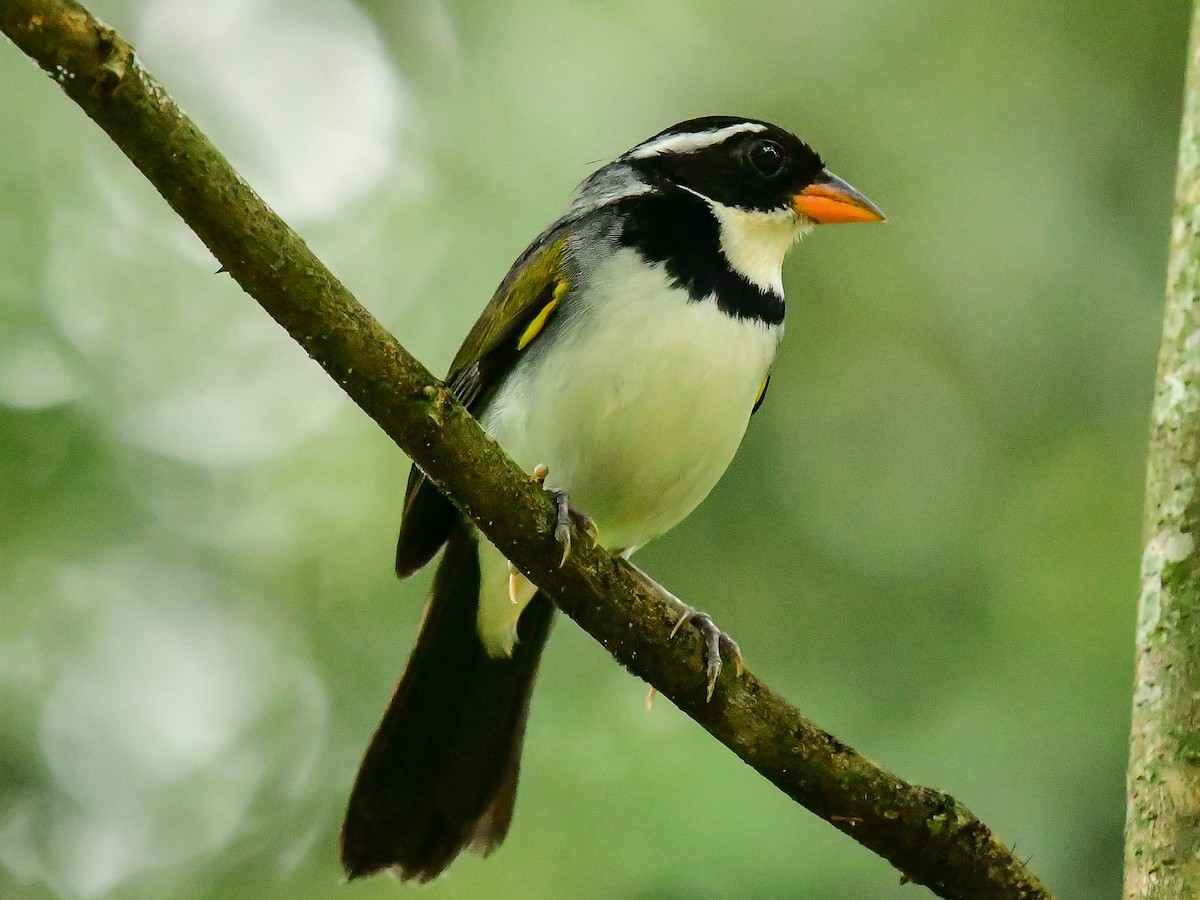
637,405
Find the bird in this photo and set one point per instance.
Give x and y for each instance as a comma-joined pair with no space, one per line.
619,362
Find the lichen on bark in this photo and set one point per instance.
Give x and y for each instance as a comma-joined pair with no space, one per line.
1162,846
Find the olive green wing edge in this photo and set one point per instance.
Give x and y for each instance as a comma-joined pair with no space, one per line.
517,314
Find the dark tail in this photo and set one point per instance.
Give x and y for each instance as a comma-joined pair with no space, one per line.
441,772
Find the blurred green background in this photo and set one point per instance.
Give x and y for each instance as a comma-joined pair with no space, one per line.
929,541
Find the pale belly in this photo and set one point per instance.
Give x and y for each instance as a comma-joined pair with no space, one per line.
637,410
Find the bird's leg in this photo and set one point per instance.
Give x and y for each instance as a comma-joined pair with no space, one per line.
714,638
563,515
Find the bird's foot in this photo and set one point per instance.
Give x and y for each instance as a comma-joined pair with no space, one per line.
562,516
715,640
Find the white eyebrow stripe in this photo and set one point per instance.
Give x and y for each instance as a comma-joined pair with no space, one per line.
690,143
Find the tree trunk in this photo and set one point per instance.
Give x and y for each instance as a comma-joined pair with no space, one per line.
1162,842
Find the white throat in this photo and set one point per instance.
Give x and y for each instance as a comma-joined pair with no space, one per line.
756,242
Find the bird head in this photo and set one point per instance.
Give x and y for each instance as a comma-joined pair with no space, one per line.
756,185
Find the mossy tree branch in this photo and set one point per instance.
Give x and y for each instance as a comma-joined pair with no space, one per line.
927,835
1162,839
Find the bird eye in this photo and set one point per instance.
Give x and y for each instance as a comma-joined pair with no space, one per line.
767,157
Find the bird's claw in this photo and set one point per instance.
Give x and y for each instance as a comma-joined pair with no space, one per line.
562,524
514,583
563,515
714,640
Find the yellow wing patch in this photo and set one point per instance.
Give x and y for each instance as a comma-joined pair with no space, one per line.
539,321
762,392
534,276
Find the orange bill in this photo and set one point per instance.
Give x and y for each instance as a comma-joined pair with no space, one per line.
829,200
